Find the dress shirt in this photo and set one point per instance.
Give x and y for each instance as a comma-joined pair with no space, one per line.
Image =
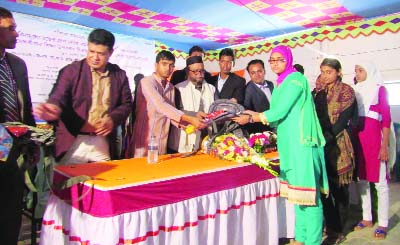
100,95
264,87
221,82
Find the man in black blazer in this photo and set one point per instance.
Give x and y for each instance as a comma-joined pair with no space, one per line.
180,75
257,95
228,85
15,105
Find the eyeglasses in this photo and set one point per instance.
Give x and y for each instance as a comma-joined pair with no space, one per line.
197,71
277,61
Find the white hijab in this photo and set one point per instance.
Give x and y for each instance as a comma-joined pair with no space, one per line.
367,95
367,91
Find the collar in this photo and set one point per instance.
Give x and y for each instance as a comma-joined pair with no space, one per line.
102,74
194,86
3,56
263,85
220,78
159,80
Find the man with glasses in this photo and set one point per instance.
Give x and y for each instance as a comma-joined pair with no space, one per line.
180,75
155,109
257,95
228,85
194,96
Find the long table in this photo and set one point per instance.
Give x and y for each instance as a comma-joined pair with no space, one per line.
193,200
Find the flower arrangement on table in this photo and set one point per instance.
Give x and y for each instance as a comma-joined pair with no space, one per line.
233,148
263,142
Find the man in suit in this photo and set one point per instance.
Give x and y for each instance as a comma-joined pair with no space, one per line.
228,85
90,99
257,95
180,75
15,106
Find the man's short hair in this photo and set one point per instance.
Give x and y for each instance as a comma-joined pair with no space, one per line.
165,55
103,37
195,49
253,62
299,68
5,13
227,52
138,77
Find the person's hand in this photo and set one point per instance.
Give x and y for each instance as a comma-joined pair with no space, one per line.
252,113
242,119
201,115
197,123
384,153
103,126
47,111
247,116
234,100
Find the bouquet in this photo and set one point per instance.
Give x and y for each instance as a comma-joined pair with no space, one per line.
230,147
263,142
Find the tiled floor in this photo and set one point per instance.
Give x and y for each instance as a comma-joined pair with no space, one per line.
365,236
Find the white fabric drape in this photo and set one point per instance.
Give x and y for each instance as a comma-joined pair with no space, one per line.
243,215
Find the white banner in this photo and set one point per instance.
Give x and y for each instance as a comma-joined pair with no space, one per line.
47,45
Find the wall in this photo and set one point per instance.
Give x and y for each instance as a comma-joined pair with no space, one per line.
47,45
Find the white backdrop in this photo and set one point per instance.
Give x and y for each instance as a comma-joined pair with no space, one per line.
382,49
47,45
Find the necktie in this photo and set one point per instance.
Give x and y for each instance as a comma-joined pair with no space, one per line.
8,95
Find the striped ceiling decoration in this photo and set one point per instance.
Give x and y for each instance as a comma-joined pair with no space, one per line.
211,24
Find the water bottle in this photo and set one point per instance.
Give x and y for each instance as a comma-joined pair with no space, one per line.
152,150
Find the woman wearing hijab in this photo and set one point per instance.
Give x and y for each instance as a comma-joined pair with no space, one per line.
336,109
373,153
300,145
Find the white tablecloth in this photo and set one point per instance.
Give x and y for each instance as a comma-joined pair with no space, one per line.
249,214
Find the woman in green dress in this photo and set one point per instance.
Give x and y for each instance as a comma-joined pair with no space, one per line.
300,145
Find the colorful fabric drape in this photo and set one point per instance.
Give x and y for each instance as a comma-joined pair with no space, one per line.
339,152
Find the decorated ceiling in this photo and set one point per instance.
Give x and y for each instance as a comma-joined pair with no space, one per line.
211,24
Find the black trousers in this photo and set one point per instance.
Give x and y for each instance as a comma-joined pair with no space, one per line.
336,207
11,203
